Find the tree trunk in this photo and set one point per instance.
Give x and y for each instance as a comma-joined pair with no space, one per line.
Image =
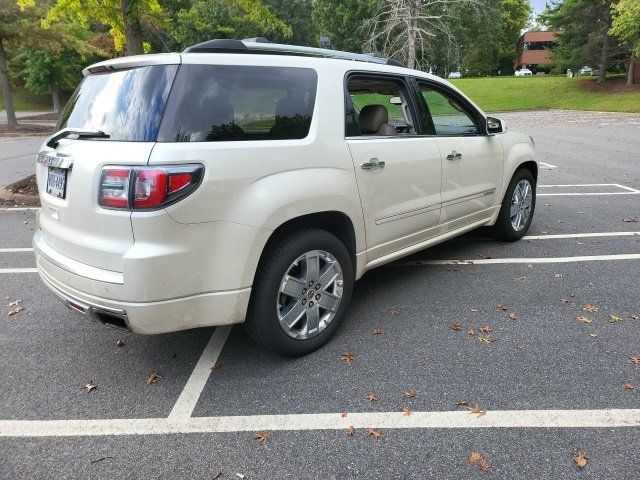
604,58
55,94
6,90
132,28
631,69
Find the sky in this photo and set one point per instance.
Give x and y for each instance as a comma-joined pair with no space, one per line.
537,5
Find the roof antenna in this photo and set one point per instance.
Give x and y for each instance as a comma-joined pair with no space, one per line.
160,37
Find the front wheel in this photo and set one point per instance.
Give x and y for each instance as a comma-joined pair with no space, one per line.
301,292
517,208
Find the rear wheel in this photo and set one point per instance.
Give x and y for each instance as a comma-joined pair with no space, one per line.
301,292
517,208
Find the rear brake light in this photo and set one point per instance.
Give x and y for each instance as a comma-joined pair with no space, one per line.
144,188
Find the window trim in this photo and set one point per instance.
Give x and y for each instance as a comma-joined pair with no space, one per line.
479,119
405,82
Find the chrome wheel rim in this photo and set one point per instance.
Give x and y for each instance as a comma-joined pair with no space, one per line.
310,294
521,204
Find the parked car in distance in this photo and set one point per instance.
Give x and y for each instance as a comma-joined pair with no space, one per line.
244,181
523,72
586,70
455,75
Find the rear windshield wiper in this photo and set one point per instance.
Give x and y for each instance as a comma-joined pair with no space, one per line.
65,132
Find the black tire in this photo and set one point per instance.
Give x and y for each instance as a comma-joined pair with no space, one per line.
503,229
262,322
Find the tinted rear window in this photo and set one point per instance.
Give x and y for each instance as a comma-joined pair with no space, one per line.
210,103
125,104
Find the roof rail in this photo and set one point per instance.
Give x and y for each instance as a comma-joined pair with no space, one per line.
262,45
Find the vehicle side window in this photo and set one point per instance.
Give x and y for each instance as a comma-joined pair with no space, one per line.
212,103
449,117
377,106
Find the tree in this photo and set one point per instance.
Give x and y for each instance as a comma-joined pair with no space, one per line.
626,26
585,38
343,21
125,19
408,29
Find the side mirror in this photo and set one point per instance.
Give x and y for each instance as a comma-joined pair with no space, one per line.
495,125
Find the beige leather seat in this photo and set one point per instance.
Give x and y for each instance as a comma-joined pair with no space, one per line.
374,121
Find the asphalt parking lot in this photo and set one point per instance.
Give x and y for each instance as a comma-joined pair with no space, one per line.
523,353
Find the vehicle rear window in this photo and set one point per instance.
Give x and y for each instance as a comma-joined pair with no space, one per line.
211,103
125,104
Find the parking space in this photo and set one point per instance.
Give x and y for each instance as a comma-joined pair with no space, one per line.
539,335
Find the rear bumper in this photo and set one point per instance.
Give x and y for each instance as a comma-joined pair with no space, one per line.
205,309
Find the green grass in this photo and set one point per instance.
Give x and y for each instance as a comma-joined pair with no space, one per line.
544,92
25,100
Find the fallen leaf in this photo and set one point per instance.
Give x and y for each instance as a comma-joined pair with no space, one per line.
216,476
472,332
90,386
15,311
502,307
629,220
406,411
410,394
456,326
377,331
475,310
513,316
240,476
522,279
351,431
635,360
462,402
14,303
344,414
486,329
590,308
262,437
372,398
559,275
564,300
120,343
476,411
535,368
485,339
614,319
484,256
394,311
376,434
593,335
214,367
628,385
477,461
583,319
519,346
580,459
634,317
153,378
347,357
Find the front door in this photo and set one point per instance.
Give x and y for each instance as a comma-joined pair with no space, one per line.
472,162
398,171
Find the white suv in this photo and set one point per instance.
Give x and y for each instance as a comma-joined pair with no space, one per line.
254,182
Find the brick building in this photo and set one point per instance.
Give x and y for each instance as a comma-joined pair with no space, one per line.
533,49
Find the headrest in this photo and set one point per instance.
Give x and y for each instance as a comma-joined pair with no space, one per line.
372,117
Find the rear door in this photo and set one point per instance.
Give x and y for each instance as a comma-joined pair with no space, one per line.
127,105
472,161
397,169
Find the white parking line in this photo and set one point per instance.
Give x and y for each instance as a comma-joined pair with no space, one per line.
608,418
580,235
15,250
628,190
18,209
480,261
191,392
547,165
18,270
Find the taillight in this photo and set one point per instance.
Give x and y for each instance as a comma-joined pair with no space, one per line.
144,188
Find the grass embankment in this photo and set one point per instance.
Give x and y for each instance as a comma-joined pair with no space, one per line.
544,92
25,100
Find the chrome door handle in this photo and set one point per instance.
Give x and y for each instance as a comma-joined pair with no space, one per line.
454,156
374,164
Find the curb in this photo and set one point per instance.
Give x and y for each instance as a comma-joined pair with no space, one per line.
19,198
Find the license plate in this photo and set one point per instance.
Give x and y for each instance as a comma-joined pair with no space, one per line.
57,182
